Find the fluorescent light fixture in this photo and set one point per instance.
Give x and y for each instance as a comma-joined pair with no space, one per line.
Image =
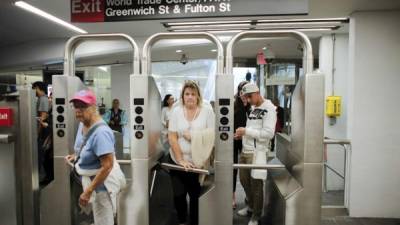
104,68
300,23
343,19
178,51
225,31
264,48
48,16
206,22
214,50
209,29
226,26
295,28
210,26
314,29
258,28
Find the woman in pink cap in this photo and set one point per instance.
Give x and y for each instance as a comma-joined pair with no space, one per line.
94,160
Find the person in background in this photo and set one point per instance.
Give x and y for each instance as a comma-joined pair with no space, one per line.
48,162
241,109
259,130
115,117
42,108
191,115
166,110
94,160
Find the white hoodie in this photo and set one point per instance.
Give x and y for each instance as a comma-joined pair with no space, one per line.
260,129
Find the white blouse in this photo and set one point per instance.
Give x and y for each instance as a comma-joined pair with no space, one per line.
178,123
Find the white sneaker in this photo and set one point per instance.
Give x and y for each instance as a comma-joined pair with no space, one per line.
246,211
253,222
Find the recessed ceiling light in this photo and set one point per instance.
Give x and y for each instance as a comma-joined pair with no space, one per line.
214,50
178,51
264,48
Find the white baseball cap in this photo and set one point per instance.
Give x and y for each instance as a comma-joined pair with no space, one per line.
249,88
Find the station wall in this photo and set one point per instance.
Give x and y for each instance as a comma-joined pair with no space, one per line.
373,114
334,55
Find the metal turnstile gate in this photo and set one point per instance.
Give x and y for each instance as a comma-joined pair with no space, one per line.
56,203
213,207
295,192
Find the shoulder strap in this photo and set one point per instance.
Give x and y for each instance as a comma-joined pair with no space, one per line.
87,136
92,130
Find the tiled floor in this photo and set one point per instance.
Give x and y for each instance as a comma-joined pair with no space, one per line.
331,198
358,221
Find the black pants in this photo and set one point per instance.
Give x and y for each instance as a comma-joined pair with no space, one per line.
184,184
273,144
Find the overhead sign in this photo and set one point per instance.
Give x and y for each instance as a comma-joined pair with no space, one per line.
125,10
6,117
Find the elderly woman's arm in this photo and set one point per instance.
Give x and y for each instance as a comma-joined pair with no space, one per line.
106,162
176,150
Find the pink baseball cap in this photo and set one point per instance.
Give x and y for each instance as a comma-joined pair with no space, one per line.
86,96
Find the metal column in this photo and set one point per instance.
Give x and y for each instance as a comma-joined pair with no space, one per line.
56,197
19,201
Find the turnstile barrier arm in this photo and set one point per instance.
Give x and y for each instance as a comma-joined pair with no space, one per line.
170,166
259,166
181,168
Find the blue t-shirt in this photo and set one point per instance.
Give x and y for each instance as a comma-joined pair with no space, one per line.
100,143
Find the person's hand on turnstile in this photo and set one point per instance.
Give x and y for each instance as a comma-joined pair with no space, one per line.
186,164
70,158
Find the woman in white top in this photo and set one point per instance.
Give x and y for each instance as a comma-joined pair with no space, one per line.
168,102
188,116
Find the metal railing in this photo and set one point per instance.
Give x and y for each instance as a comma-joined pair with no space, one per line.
346,144
207,172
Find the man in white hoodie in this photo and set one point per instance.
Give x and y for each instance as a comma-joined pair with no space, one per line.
259,130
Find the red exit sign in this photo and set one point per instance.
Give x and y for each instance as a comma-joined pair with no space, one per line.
87,10
6,117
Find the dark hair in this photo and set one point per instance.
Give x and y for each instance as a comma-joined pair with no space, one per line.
238,104
39,84
165,101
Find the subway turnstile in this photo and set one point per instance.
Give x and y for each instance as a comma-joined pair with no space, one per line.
214,207
55,198
19,188
56,202
294,193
